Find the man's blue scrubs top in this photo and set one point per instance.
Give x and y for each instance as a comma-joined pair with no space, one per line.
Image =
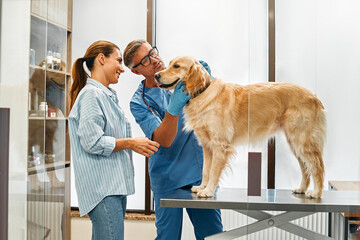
180,164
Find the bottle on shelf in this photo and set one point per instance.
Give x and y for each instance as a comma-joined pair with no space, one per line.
55,65
52,112
58,59
32,56
35,158
36,101
33,104
43,109
49,60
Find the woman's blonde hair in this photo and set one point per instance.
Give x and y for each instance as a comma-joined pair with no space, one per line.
78,73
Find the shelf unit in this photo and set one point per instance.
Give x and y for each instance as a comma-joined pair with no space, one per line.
47,167
48,140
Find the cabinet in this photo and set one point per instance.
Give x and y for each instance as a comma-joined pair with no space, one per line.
48,148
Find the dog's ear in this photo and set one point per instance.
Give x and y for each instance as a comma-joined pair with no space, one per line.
196,79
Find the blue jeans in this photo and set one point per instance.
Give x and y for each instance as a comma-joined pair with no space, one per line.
108,218
168,221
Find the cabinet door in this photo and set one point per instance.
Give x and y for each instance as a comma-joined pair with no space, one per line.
47,120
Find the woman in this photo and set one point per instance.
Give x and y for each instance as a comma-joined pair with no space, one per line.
101,142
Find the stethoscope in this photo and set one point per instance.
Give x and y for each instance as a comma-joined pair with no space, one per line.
154,111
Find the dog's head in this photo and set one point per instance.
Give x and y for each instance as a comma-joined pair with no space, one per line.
186,69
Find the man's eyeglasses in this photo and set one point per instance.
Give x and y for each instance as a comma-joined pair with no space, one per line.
146,61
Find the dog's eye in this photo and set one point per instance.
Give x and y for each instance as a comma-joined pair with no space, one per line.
176,66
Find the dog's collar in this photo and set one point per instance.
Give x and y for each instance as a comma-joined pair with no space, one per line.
197,93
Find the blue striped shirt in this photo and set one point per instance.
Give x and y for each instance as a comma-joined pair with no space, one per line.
95,122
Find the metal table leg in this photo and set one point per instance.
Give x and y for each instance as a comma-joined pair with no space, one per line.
267,220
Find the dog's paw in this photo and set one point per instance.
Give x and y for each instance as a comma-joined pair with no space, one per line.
197,188
299,191
205,193
313,194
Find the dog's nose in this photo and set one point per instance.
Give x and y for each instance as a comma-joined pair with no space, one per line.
157,76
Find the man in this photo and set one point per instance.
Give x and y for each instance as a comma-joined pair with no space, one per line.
178,162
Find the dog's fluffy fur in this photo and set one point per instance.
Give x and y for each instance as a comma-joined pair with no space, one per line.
225,114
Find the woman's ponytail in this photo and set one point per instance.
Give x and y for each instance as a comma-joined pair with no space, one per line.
79,79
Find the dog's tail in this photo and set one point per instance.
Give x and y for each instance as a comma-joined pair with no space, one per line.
320,123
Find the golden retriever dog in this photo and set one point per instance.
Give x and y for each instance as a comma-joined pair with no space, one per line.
226,114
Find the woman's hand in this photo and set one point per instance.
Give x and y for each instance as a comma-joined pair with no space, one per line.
144,146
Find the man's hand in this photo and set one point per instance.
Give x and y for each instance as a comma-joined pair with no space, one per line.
207,68
178,99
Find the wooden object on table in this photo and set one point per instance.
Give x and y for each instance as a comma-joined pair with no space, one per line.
346,186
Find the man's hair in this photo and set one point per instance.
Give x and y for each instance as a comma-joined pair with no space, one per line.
130,51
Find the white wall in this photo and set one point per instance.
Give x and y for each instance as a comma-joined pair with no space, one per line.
231,36
14,88
317,46
120,22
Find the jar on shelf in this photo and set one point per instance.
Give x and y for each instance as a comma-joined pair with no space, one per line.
52,112
32,56
58,59
49,60
43,109
35,158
